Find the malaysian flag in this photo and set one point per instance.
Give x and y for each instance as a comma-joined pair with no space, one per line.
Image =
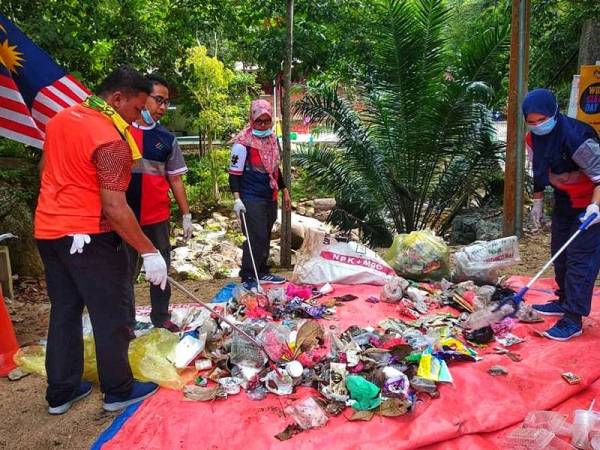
33,88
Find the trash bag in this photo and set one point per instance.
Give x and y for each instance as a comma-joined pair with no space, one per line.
325,258
482,261
151,358
33,359
419,255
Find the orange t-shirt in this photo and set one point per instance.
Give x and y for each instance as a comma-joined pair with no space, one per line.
69,200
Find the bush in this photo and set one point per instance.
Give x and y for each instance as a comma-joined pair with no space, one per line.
199,179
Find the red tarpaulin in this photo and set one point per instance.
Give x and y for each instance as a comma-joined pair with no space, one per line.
473,413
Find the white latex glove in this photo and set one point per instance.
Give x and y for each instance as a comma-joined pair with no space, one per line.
537,212
79,240
188,228
591,209
238,207
155,269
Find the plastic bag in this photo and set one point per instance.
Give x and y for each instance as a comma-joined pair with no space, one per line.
365,393
33,359
151,356
148,356
393,290
324,258
482,261
419,255
307,413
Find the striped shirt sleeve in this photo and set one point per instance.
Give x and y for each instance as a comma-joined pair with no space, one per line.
113,165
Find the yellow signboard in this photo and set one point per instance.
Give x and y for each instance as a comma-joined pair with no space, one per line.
588,101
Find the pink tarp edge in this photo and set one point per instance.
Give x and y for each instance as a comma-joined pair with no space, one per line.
467,415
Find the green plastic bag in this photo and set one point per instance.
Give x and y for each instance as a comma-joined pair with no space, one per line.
420,255
364,392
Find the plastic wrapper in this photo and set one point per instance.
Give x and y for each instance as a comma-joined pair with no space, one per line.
420,255
307,413
482,261
246,353
393,290
274,339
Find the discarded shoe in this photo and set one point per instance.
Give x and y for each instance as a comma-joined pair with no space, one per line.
82,391
552,308
139,392
273,279
564,330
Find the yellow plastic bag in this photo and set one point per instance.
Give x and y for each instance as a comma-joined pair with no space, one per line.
148,357
33,359
419,255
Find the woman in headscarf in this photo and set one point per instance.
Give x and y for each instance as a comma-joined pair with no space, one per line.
255,180
566,155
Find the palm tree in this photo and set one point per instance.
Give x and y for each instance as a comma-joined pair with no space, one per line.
422,141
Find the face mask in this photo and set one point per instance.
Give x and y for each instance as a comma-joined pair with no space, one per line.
543,128
147,117
262,134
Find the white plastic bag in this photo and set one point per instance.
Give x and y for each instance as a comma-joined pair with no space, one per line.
482,261
325,259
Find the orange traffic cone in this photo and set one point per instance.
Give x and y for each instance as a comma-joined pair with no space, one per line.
8,340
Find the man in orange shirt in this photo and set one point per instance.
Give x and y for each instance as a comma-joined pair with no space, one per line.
81,221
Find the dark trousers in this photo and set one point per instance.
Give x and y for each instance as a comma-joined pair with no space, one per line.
260,217
158,233
97,279
577,268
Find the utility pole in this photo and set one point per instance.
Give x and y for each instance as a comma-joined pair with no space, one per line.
514,173
285,244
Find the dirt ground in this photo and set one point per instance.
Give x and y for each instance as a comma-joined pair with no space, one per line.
24,421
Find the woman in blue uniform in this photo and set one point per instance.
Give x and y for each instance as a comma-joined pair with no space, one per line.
566,155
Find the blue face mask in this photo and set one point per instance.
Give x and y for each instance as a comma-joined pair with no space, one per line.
262,134
543,128
147,117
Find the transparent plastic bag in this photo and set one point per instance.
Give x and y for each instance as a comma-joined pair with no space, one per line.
419,255
393,290
547,420
307,413
482,261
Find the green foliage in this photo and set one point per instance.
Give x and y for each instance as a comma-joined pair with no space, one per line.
555,33
199,181
304,186
421,143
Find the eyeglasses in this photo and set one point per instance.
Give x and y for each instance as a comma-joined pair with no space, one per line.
160,100
263,122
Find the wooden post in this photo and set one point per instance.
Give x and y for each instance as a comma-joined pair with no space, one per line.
515,142
285,244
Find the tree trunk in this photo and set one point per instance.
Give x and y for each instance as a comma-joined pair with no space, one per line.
589,45
214,170
286,216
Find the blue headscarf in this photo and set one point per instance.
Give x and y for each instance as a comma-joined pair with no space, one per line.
554,150
540,101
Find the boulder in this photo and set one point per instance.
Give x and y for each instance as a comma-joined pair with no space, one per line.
476,225
299,225
324,204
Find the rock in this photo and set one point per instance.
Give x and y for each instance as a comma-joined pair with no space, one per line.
476,225
17,374
324,204
187,271
299,225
